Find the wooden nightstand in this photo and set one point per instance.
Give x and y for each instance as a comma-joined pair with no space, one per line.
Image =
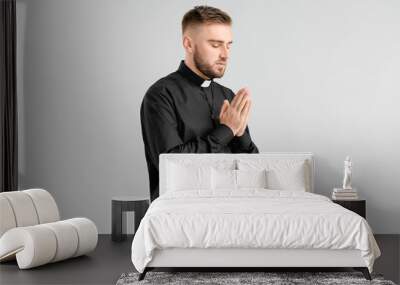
357,206
122,204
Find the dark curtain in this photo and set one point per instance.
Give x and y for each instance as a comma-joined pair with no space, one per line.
8,97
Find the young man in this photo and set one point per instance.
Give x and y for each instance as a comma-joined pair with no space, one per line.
188,112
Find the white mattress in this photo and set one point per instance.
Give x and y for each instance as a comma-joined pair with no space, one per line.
250,218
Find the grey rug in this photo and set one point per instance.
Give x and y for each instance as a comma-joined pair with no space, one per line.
225,278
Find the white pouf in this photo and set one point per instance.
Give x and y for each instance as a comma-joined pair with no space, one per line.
31,232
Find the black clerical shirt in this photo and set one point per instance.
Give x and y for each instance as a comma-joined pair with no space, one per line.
178,115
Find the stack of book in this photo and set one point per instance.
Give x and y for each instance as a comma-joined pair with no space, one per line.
344,194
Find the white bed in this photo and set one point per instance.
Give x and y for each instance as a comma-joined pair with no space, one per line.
201,221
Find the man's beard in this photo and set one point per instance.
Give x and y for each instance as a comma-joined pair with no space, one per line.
205,68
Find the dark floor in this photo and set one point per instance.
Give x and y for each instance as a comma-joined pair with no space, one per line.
111,259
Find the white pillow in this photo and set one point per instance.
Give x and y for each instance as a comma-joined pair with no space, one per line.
287,179
223,178
236,179
183,177
200,160
251,178
282,174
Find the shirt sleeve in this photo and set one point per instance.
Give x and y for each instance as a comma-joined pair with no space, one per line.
243,144
160,130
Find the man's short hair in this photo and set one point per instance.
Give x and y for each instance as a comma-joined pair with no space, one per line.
204,15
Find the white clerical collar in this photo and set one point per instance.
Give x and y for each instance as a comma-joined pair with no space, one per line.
206,83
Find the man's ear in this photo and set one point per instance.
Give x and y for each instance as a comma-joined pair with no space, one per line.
187,43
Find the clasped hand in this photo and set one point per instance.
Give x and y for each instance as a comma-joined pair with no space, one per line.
235,114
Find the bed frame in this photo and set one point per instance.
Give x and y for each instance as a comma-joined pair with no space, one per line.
237,259
248,259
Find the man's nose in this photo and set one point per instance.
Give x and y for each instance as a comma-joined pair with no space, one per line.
224,53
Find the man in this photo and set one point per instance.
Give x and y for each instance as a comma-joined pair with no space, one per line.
188,112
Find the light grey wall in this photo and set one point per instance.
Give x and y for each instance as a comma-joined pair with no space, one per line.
324,77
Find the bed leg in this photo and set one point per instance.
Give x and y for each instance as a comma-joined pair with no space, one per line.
143,274
364,271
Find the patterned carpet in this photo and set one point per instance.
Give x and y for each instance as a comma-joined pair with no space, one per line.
225,278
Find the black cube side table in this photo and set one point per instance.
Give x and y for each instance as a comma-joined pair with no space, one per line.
121,204
357,206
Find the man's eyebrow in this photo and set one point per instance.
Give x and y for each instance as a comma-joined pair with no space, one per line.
218,41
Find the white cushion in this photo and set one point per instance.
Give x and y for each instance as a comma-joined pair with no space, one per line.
251,178
31,233
187,176
198,160
7,220
27,208
67,239
223,179
87,233
282,174
23,208
45,205
32,246
229,161
228,179
40,244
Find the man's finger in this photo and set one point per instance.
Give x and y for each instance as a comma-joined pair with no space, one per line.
245,99
244,95
248,113
224,107
244,119
237,98
246,109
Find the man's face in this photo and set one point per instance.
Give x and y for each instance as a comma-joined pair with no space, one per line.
211,49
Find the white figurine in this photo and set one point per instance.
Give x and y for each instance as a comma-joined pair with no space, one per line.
347,173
